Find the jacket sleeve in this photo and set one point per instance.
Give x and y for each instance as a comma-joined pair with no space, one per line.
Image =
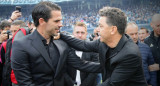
91,78
123,71
2,58
86,46
20,65
153,74
82,65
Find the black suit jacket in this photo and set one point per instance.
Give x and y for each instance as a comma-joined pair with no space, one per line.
33,67
87,79
122,68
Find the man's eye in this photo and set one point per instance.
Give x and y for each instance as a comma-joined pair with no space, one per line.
82,32
57,21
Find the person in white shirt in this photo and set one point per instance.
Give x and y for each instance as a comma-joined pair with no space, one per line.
83,78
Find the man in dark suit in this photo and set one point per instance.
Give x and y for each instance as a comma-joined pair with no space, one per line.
84,78
38,60
119,55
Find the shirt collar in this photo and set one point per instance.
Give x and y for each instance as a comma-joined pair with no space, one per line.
42,38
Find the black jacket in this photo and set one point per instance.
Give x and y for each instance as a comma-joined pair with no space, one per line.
155,46
33,66
6,79
87,79
124,66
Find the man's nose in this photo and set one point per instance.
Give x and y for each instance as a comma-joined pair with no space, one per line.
79,34
60,24
134,36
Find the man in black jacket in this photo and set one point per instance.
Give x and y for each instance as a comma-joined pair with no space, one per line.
38,60
119,55
154,42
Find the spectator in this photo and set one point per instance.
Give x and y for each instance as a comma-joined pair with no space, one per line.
4,27
143,33
84,78
147,58
154,42
7,77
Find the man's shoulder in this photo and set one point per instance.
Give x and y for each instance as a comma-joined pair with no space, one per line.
61,42
23,40
131,48
142,45
149,39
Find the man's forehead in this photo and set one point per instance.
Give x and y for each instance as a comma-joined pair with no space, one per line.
56,14
102,19
157,22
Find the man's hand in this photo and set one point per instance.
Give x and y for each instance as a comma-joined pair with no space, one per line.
153,67
16,14
57,37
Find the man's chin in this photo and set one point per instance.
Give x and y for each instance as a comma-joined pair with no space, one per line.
101,39
55,34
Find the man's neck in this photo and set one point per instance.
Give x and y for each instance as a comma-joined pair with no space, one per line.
44,35
113,43
156,35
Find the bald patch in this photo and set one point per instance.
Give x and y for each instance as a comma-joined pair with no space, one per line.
129,25
156,18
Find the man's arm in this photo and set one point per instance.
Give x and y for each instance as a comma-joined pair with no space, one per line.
123,71
82,65
2,61
20,65
86,46
15,15
153,75
91,78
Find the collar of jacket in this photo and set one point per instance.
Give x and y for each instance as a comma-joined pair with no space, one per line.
120,45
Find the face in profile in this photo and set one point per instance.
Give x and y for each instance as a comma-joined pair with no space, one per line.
105,29
54,23
80,32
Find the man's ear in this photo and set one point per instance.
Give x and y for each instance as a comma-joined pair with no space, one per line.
41,21
113,30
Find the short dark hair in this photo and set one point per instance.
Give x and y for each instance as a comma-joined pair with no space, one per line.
19,22
43,10
142,28
115,17
4,24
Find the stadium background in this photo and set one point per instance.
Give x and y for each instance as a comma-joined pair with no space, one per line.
139,11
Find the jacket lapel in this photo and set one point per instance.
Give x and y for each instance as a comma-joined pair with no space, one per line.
61,59
38,45
83,56
102,54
